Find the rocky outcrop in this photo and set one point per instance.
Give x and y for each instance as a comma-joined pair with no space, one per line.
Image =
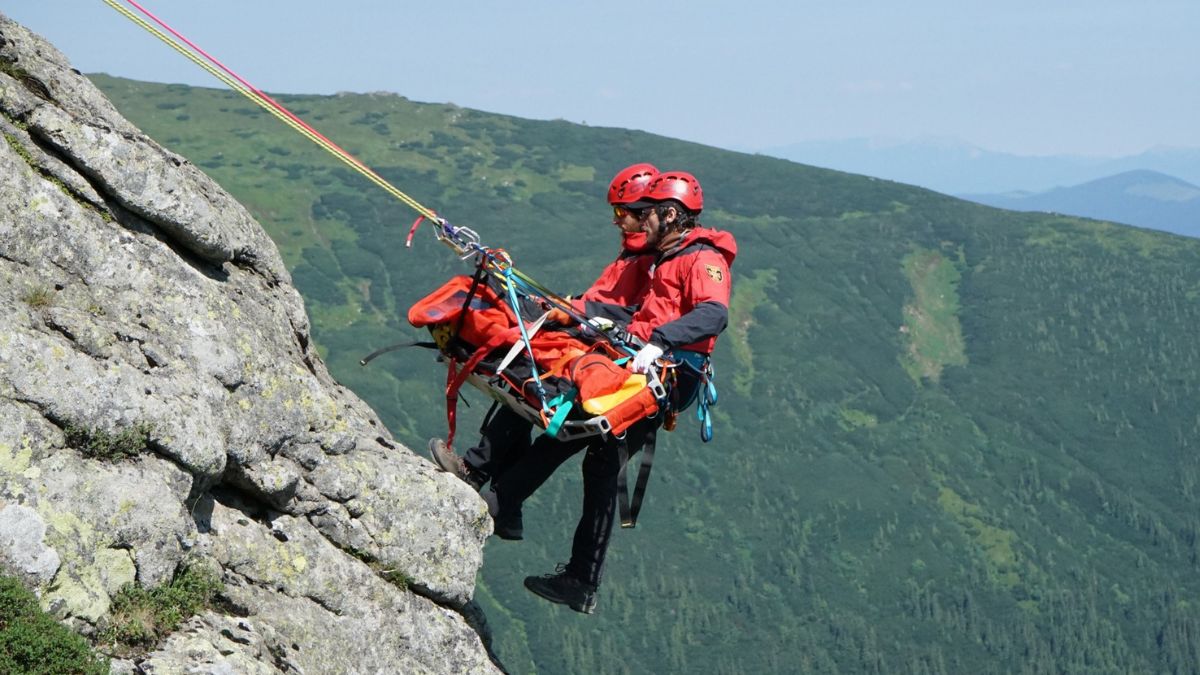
140,302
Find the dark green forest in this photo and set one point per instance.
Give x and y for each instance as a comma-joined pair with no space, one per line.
950,439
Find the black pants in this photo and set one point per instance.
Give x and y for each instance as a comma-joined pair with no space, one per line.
504,440
601,464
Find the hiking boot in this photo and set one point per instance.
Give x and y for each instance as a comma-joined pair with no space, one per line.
510,527
565,589
448,461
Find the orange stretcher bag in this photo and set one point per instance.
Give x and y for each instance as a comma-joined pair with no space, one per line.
473,326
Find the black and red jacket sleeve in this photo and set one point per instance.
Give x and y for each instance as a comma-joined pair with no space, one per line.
688,305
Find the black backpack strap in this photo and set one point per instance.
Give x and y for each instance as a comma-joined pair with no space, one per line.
476,278
391,348
629,510
487,417
690,248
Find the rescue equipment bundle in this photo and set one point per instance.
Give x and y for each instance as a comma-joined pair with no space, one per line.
569,381
543,375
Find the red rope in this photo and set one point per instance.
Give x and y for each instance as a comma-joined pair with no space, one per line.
256,91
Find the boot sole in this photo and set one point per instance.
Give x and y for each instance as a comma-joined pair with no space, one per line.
439,460
581,607
509,535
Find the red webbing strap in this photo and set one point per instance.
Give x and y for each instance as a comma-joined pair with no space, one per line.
413,230
455,380
451,404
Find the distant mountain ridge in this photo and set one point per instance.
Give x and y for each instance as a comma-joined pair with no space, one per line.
953,166
1142,198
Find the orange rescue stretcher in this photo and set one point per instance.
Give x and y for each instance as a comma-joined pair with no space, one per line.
569,382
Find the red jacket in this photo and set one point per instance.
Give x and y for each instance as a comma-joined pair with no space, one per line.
624,281
687,305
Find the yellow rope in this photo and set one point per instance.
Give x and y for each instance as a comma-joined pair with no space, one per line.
332,149
342,155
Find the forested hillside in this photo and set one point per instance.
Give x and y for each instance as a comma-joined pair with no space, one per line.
951,439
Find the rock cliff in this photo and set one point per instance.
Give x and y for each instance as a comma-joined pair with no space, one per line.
139,301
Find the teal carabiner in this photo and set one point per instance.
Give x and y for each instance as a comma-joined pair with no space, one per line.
562,404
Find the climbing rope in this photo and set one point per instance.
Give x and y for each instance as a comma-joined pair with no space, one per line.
235,82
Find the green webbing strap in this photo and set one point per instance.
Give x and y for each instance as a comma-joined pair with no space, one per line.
562,405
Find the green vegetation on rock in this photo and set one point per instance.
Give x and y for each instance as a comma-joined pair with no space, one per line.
140,617
32,642
38,297
100,444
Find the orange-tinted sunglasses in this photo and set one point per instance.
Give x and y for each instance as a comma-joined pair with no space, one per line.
622,211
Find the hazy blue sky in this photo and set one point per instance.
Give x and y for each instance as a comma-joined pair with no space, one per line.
1097,77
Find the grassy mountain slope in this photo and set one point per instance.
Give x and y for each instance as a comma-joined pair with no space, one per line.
950,439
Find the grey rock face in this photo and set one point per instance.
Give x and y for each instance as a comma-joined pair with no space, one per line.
139,301
22,543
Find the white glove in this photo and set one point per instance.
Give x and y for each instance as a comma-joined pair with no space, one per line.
645,358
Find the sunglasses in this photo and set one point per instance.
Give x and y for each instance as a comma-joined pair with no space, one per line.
622,211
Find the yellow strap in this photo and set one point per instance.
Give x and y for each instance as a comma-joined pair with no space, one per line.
599,405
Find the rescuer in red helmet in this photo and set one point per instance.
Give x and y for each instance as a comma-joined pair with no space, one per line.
505,435
687,304
684,309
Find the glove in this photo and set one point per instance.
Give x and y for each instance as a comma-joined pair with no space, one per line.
644,360
558,316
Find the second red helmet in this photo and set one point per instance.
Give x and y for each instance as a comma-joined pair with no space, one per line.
678,185
630,184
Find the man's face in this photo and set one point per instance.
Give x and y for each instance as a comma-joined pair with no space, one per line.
626,219
650,223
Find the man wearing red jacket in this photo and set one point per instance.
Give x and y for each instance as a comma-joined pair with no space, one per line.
685,308
687,305
505,435
624,281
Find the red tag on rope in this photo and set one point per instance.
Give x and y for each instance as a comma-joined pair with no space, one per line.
413,230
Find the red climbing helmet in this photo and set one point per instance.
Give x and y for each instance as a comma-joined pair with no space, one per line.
630,183
678,185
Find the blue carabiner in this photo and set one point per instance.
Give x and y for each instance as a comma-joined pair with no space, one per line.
703,414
